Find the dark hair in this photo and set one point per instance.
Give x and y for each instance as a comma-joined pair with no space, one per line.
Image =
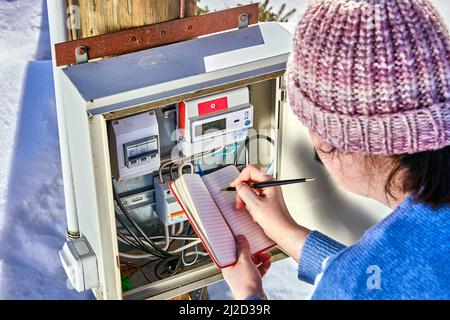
425,175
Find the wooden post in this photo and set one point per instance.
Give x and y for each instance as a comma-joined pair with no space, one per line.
103,16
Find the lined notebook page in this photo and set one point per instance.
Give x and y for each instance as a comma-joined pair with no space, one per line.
207,216
239,221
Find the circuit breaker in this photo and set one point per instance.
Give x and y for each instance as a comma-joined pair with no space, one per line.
168,209
134,145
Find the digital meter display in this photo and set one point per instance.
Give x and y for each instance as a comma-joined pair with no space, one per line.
217,125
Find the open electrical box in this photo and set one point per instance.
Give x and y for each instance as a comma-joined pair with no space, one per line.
130,123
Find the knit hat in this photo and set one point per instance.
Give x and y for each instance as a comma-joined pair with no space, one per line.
373,76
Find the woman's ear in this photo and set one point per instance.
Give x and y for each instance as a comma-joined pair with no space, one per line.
322,147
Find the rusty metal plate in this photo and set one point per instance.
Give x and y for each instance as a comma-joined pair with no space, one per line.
136,39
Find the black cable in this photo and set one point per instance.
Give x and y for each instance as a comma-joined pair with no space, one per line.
138,269
167,260
164,256
131,232
143,247
148,262
178,266
130,243
135,225
247,141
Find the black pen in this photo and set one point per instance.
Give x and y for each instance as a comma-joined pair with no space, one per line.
260,185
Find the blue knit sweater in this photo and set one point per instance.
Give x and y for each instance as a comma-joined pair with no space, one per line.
405,256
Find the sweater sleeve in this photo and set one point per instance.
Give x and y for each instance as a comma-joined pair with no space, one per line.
256,298
316,249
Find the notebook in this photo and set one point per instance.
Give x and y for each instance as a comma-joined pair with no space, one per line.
213,215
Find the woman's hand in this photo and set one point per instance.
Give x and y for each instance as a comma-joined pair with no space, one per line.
268,209
245,277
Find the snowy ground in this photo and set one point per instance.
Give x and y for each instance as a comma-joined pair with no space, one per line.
32,220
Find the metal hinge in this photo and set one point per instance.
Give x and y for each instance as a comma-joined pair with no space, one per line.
283,90
243,20
283,96
81,54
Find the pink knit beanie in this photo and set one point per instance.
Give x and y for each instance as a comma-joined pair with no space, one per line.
373,76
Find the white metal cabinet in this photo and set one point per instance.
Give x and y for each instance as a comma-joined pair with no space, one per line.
92,93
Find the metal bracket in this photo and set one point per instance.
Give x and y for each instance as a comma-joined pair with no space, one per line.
159,34
283,90
243,20
81,54
89,114
72,235
169,112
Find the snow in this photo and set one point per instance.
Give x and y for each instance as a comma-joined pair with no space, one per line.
32,218
280,283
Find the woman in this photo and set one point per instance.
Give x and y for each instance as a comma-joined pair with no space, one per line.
371,81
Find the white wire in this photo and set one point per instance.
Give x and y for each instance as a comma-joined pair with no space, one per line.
163,237
166,234
135,256
187,264
180,229
181,160
148,255
191,244
183,255
161,169
184,164
145,256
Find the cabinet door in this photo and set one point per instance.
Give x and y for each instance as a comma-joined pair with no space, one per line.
320,205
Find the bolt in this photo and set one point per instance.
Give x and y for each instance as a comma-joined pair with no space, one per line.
81,50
